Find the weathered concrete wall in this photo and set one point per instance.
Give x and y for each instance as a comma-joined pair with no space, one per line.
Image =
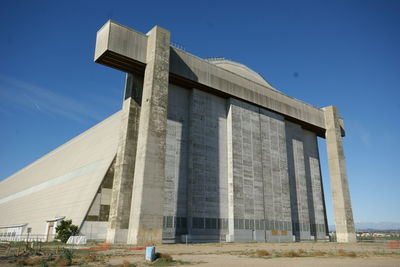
207,192
258,180
316,206
94,230
298,184
276,180
121,196
99,211
176,164
248,199
308,210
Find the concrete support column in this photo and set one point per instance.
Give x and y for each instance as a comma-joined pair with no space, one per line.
146,216
345,230
231,192
121,196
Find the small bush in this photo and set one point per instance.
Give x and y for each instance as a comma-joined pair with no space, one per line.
351,254
65,258
164,256
262,253
67,254
63,262
301,251
164,259
66,229
319,253
344,253
34,260
163,262
291,254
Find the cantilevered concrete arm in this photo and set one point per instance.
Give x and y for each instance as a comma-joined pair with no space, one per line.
120,47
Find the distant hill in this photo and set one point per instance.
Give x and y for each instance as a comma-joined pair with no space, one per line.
376,226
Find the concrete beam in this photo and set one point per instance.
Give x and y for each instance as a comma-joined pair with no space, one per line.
345,230
123,48
146,216
120,47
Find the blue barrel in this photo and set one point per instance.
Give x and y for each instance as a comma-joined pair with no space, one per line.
150,254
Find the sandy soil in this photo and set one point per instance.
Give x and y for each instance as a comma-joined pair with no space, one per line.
239,254
242,254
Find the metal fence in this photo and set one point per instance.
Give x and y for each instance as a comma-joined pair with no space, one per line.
27,238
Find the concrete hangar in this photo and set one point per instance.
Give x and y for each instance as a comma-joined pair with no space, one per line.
203,149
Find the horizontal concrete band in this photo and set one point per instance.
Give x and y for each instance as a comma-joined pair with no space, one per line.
53,181
125,49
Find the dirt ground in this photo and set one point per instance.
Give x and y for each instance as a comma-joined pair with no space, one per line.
236,255
281,254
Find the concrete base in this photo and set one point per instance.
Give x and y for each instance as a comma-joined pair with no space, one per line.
346,237
321,236
146,236
117,236
202,239
279,237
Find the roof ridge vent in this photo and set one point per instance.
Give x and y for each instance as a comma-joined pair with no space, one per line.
215,58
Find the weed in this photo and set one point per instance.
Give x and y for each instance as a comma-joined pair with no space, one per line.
90,258
67,255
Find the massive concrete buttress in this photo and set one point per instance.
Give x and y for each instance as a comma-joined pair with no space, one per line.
146,216
345,230
121,196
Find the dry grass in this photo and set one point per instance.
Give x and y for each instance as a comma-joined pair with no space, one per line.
291,254
302,251
344,253
318,253
90,258
262,253
164,256
63,262
35,260
299,253
126,263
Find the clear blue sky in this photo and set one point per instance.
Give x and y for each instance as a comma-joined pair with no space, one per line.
345,53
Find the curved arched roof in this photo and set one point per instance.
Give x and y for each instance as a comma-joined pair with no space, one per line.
239,69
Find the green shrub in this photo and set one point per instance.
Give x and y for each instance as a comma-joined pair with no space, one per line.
66,229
